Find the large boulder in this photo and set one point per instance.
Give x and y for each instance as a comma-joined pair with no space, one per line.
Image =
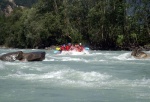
19,55
138,53
34,56
12,56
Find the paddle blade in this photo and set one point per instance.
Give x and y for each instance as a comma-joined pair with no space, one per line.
56,51
87,48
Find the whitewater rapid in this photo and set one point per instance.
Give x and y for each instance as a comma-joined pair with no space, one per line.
97,70
50,71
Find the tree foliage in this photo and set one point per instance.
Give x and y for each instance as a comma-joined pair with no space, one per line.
103,24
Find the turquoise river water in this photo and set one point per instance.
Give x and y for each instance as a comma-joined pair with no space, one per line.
100,76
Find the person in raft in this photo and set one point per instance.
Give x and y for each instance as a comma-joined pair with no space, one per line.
63,47
79,47
68,47
71,47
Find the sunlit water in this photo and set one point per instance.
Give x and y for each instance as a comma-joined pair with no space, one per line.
98,76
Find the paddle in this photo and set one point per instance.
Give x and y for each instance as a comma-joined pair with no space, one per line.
56,51
86,48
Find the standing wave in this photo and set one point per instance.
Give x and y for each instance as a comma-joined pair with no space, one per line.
73,78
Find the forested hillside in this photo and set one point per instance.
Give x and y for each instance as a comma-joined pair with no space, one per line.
101,24
7,6
26,3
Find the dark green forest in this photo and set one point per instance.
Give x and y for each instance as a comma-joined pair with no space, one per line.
99,24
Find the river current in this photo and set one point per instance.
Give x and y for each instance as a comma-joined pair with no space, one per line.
100,76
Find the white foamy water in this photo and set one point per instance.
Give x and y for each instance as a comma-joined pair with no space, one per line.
111,76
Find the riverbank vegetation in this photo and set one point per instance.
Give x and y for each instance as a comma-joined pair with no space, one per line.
100,24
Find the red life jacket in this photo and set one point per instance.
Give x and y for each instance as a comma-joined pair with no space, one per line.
62,48
67,48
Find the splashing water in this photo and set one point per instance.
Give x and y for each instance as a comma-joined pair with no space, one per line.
112,76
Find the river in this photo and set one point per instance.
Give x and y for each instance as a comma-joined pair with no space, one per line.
100,76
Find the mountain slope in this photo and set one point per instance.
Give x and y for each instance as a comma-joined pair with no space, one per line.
7,6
